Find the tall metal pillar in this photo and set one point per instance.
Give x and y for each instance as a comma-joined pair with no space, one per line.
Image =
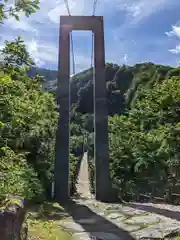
61,192
101,153
101,147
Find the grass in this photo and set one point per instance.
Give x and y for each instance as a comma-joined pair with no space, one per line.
46,230
43,222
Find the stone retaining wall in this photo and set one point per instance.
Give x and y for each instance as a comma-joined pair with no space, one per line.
13,223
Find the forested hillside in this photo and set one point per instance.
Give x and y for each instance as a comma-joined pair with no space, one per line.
144,113
143,104
144,126
46,73
144,129
28,122
124,84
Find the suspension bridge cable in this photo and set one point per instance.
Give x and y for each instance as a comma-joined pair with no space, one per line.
67,7
71,38
92,50
94,6
92,45
72,49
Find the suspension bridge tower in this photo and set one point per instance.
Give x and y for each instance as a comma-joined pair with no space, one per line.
101,154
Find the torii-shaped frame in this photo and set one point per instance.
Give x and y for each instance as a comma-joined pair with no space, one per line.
101,152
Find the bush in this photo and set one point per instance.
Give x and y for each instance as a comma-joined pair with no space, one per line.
28,123
144,145
17,177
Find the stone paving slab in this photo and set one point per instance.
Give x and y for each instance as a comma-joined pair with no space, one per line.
129,221
159,231
95,236
143,219
115,215
139,224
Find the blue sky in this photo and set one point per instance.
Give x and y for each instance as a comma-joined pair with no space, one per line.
135,31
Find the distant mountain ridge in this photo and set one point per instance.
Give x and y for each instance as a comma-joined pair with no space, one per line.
47,73
123,84
49,82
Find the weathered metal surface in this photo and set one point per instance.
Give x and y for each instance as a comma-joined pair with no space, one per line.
101,154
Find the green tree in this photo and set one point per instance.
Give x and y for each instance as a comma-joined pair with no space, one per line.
15,56
7,10
28,115
17,176
145,144
28,123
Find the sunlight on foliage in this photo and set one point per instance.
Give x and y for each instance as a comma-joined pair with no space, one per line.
7,9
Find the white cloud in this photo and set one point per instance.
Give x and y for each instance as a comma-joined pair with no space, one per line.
32,48
145,8
42,53
137,10
175,31
82,62
76,7
125,58
22,24
41,30
54,13
47,53
176,50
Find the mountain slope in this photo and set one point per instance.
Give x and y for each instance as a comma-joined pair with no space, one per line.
123,83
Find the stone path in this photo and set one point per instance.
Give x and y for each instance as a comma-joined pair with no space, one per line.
95,220
83,186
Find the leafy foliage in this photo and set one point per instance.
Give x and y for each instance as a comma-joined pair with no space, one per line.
17,177
28,121
144,127
15,55
28,118
123,84
13,10
144,146
143,137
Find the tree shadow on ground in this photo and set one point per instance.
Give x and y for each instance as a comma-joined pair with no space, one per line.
80,212
161,211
